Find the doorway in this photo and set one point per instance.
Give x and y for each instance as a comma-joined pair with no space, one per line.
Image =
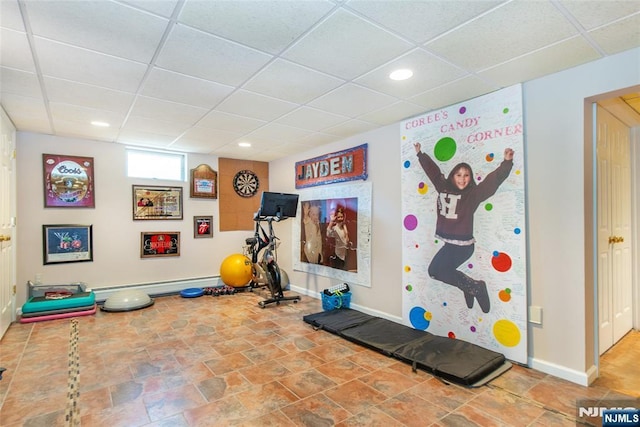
612,165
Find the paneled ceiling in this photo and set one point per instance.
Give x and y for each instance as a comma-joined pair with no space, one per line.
202,76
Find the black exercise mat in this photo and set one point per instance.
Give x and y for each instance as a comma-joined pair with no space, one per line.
452,359
383,335
337,320
448,358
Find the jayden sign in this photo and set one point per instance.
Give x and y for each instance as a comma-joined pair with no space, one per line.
346,165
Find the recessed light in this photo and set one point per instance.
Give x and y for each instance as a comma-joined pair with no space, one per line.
402,74
244,144
100,124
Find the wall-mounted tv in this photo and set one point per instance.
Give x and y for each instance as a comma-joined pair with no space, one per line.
280,205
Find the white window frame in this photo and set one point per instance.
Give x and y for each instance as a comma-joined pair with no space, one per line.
161,162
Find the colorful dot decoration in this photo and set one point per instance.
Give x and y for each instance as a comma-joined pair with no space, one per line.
410,222
501,262
470,265
506,333
488,207
423,188
407,269
489,157
445,149
451,335
407,164
409,288
419,318
505,110
472,329
517,230
462,110
504,295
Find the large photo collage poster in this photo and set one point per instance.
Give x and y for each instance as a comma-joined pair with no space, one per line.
463,232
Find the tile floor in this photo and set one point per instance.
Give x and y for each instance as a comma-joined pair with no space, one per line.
223,361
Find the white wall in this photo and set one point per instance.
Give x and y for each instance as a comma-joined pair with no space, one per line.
116,237
554,143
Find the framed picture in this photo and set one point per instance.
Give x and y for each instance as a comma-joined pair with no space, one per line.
67,243
155,244
155,202
202,226
68,181
204,182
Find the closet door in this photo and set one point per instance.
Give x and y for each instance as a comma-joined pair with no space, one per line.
614,229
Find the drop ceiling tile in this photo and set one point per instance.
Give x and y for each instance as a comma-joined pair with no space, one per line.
421,21
428,73
162,127
504,33
11,15
160,7
15,51
183,89
592,14
198,137
452,93
325,48
311,118
230,122
393,113
103,26
561,56
314,140
619,36
352,127
27,114
68,92
266,25
291,82
20,82
144,139
75,129
166,110
88,67
351,100
83,115
208,57
279,133
255,106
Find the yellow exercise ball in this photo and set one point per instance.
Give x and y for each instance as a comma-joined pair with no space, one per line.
236,270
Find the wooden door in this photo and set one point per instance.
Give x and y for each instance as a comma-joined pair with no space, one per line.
7,222
613,154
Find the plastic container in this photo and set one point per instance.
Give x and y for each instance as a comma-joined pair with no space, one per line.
42,290
335,301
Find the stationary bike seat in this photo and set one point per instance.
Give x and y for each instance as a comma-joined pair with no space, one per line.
251,241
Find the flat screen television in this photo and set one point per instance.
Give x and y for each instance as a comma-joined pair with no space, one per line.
280,205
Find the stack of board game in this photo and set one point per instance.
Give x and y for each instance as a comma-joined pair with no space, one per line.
48,302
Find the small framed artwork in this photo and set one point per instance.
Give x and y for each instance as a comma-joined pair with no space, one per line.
64,243
156,244
68,181
202,226
204,182
155,202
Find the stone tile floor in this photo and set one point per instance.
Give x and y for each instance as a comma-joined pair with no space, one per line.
224,361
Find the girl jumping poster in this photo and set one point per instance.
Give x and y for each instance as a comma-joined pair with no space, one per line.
463,209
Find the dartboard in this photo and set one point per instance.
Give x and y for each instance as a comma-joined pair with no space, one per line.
246,183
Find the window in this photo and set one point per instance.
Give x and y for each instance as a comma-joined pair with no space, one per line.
156,164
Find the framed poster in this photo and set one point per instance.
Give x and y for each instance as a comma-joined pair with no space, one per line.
156,244
155,202
67,243
68,181
203,183
202,226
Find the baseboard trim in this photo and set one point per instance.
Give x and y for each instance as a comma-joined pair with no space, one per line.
571,375
159,288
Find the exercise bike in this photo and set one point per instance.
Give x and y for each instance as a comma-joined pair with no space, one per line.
266,271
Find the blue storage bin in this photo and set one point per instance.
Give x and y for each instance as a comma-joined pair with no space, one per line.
331,302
